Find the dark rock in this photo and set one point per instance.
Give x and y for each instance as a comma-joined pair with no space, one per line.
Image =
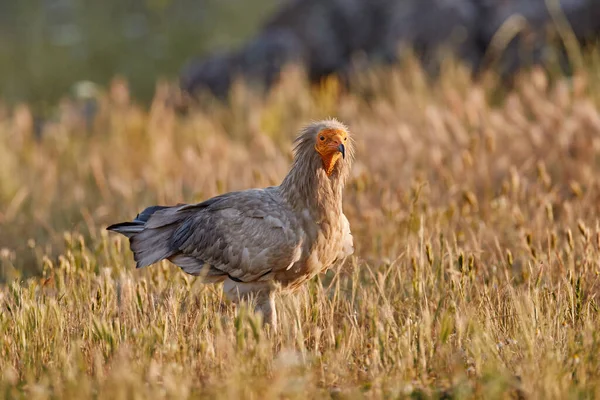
433,28
322,26
326,35
214,74
261,60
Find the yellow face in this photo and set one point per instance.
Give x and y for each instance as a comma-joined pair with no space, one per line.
330,143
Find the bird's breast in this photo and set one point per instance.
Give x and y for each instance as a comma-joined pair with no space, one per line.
325,242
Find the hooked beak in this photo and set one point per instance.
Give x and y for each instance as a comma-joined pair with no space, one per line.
342,150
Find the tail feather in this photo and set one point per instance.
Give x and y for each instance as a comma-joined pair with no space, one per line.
127,228
149,242
151,246
147,213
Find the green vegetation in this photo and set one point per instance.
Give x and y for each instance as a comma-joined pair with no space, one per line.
47,45
476,225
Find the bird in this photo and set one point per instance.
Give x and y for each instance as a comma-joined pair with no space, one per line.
261,241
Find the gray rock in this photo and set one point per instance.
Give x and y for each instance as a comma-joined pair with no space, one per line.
433,28
213,74
325,35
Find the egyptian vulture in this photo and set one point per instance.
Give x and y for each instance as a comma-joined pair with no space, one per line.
259,241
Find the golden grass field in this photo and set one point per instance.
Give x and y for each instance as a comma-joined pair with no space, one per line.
475,216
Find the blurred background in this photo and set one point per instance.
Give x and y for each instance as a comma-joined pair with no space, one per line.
48,45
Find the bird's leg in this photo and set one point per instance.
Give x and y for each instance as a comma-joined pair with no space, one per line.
265,305
262,293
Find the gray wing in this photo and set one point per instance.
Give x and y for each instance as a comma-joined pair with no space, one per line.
246,235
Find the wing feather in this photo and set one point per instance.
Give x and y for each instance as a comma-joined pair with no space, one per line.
246,235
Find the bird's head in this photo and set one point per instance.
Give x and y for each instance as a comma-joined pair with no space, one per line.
330,144
323,155
325,145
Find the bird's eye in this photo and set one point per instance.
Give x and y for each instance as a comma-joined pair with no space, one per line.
322,138
345,139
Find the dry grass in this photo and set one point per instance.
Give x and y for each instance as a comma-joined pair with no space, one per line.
476,226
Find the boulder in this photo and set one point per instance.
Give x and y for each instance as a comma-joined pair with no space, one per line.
326,35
